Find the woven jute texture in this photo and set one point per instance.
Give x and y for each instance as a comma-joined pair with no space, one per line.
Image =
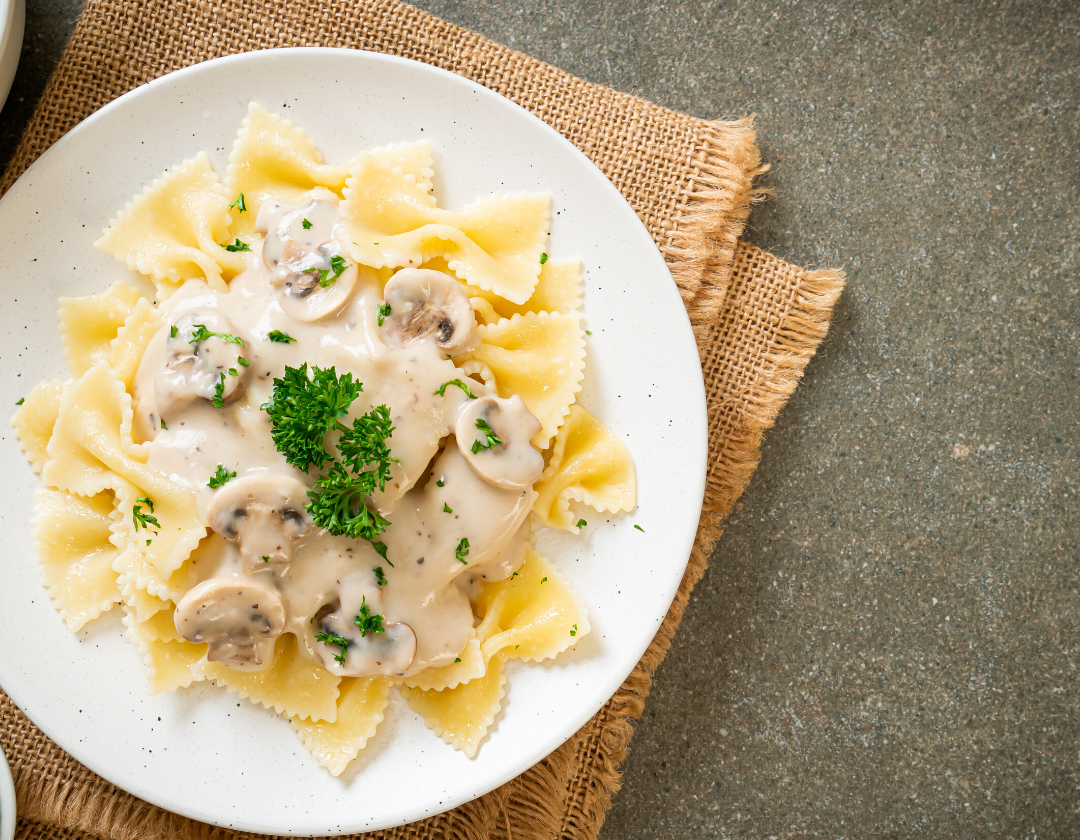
758,321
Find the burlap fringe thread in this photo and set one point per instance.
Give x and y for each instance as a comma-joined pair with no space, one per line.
569,792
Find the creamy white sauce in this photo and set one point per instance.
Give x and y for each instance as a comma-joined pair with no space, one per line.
323,579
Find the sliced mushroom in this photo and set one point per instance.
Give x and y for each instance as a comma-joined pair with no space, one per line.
201,360
306,260
265,513
493,434
427,304
238,619
488,515
354,640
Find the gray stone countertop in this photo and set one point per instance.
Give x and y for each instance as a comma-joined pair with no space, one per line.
887,640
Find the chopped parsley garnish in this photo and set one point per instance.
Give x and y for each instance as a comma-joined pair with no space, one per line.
166,428
219,393
222,476
462,550
21,401
202,333
581,523
384,312
491,438
380,578
328,637
173,331
463,386
543,580
367,622
303,409
279,337
337,267
514,575
237,246
543,259
240,360
239,204
574,631
232,372
144,519
266,558
446,508
440,483
306,224
456,661
588,332
640,528
381,548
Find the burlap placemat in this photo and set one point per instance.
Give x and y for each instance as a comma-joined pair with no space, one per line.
758,321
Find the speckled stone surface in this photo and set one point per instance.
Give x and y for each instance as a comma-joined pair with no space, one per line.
887,641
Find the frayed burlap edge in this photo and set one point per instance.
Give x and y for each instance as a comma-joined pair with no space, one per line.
700,246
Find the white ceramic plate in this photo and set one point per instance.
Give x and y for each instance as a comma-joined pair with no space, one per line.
198,752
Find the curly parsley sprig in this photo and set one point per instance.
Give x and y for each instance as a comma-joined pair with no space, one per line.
336,503
305,407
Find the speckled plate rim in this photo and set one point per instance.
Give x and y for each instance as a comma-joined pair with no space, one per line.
646,345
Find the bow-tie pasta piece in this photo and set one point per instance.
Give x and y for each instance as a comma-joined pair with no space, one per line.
540,357
171,231
140,602
292,685
494,243
89,452
360,709
34,421
470,665
413,159
171,663
71,539
273,158
462,716
127,348
532,615
589,465
559,289
89,324
144,590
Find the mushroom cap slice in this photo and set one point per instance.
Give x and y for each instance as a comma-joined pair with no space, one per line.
239,619
385,647
265,513
507,460
302,251
427,304
194,367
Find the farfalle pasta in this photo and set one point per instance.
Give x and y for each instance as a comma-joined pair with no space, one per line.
308,469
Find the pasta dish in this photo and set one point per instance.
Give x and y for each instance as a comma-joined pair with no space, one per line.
307,467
